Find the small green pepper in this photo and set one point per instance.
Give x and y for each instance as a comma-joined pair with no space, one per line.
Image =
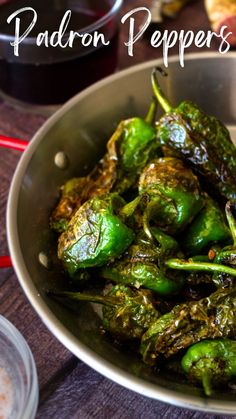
207,228
127,312
201,140
143,265
174,194
133,145
211,362
95,234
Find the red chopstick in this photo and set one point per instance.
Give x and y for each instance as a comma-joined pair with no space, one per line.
5,262
9,142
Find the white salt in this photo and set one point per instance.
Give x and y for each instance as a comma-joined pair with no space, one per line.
6,394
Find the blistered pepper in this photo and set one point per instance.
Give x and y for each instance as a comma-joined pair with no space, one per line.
211,362
95,234
143,265
174,194
126,313
188,323
201,140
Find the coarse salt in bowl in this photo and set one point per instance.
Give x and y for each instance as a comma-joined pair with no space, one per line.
18,375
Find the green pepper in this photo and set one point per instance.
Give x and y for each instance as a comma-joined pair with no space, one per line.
143,265
126,313
95,234
207,228
201,140
174,194
188,323
133,145
211,362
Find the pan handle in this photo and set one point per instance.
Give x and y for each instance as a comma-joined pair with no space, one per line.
5,262
15,143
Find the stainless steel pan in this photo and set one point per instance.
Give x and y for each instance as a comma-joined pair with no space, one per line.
79,130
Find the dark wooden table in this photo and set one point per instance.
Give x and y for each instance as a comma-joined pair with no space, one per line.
68,387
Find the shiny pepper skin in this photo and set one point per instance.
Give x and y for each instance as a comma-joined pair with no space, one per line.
94,235
211,362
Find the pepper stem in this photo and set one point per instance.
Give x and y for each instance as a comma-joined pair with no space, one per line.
128,209
151,115
231,220
78,296
190,265
146,225
206,383
159,93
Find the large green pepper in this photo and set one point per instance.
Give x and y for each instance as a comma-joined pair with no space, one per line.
174,194
95,234
188,323
211,362
206,229
127,312
143,265
201,140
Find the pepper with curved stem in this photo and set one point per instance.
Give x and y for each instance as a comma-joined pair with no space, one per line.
95,234
212,362
174,195
127,313
188,323
201,140
143,265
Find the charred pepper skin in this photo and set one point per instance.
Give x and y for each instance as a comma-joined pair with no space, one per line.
143,265
71,192
131,319
201,140
207,228
188,323
212,362
95,234
174,194
126,312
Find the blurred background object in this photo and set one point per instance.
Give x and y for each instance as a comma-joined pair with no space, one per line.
220,13
53,72
171,8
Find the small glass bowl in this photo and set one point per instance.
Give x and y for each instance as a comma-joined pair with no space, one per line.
18,376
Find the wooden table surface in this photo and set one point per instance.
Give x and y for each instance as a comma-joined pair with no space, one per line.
68,387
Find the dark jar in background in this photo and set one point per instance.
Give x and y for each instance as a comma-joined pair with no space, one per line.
50,75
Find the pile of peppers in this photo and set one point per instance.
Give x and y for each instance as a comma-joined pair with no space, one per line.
155,220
